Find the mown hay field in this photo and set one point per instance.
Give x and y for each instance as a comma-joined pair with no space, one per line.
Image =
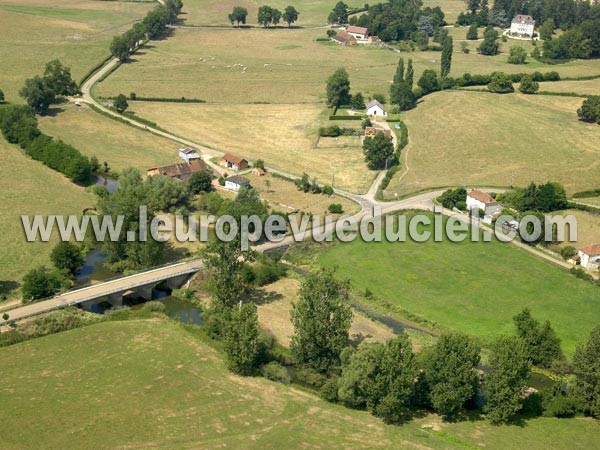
28,187
284,136
536,138
77,32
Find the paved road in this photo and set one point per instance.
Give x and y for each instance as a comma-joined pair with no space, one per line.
103,289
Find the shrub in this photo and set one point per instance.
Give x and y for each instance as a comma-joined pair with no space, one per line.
590,110
335,208
221,180
327,190
567,252
561,406
501,84
518,55
276,372
329,390
132,96
581,274
155,307
528,86
551,76
310,377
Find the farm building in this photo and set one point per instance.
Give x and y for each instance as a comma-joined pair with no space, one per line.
590,256
343,38
236,182
375,108
180,171
522,25
373,131
188,154
233,162
477,199
359,33
258,171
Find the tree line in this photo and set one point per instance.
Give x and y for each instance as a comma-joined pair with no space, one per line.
389,379
153,26
19,126
267,16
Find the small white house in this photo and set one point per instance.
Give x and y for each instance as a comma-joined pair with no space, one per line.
590,256
522,25
235,183
477,199
375,108
188,154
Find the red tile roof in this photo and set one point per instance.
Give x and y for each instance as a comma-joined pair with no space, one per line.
232,159
357,30
481,196
522,18
593,249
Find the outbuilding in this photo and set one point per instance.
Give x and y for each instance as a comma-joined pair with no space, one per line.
236,182
374,108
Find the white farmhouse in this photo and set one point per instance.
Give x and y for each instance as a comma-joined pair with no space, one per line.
522,25
236,182
359,33
375,108
188,154
590,256
477,199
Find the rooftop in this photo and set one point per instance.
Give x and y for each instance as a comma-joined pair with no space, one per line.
481,196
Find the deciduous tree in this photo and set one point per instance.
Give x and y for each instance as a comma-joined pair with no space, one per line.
378,151
509,369
67,256
321,320
290,15
338,88
451,373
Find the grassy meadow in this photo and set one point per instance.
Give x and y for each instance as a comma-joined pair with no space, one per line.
215,12
537,137
287,66
150,383
473,287
583,87
119,144
78,32
28,187
284,136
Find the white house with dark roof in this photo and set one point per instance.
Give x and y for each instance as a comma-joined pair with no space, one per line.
236,182
188,154
590,256
375,108
522,25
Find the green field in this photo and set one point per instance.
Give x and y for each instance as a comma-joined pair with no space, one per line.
147,384
583,87
29,187
119,144
141,384
537,137
78,32
473,287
